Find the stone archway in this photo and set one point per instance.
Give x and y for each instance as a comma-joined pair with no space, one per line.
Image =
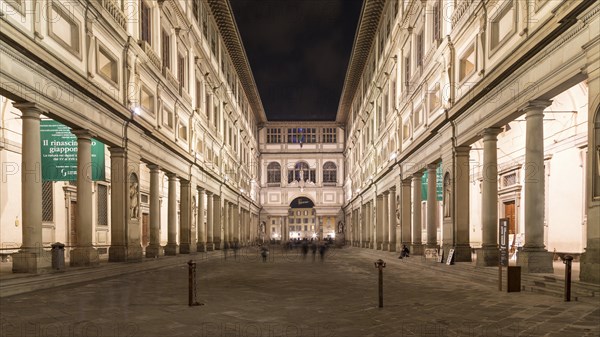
302,219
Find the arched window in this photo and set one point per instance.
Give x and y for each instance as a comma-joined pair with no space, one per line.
329,172
301,172
273,173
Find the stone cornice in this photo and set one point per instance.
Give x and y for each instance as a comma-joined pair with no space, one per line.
363,41
223,14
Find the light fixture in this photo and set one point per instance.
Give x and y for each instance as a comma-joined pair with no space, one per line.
137,111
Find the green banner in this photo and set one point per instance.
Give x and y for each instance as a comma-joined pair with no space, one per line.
439,184
59,153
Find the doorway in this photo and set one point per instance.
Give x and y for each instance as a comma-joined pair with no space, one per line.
509,213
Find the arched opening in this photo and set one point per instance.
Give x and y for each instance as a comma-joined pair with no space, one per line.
273,173
329,173
301,172
302,223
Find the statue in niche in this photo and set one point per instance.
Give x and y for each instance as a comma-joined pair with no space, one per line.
262,227
397,209
133,197
447,195
340,227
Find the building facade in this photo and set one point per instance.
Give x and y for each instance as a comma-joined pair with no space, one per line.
453,114
301,185
165,88
495,105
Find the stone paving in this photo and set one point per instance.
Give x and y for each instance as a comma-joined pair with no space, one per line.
292,296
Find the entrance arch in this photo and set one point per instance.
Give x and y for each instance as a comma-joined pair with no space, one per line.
302,223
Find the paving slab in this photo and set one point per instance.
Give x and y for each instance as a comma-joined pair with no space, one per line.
292,296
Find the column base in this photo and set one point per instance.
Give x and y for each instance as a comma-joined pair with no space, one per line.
392,247
84,257
589,265
432,246
125,254
185,248
379,245
29,262
535,261
218,245
462,253
487,256
201,247
385,246
153,251
416,249
210,246
171,249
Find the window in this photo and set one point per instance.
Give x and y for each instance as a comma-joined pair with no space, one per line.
509,179
146,21
420,49
196,10
502,25
47,201
166,49
183,131
434,99
181,72
329,135
168,118
406,130
417,117
329,173
273,135
198,95
64,29
301,172
207,103
107,65
437,27
147,100
273,173
301,135
407,72
467,63
103,205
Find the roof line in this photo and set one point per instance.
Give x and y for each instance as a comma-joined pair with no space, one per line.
223,14
363,40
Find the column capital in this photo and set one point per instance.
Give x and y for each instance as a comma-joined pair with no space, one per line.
209,193
83,134
171,176
536,106
432,167
117,151
491,133
28,109
386,192
201,189
185,182
153,167
462,150
406,182
417,175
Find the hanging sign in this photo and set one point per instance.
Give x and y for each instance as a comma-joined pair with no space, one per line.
59,153
439,180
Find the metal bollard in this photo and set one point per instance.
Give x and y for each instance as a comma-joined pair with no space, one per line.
380,264
192,284
568,261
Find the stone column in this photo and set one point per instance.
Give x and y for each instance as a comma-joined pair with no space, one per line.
286,230
392,220
210,208
172,248
119,205
200,226
226,225
487,255
590,259
385,230
432,206
185,209
31,257
154,249
379,224
534,258
405,216
361,225
417,241
84,254
218,222
462,248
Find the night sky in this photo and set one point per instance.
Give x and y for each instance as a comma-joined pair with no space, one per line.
298,51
